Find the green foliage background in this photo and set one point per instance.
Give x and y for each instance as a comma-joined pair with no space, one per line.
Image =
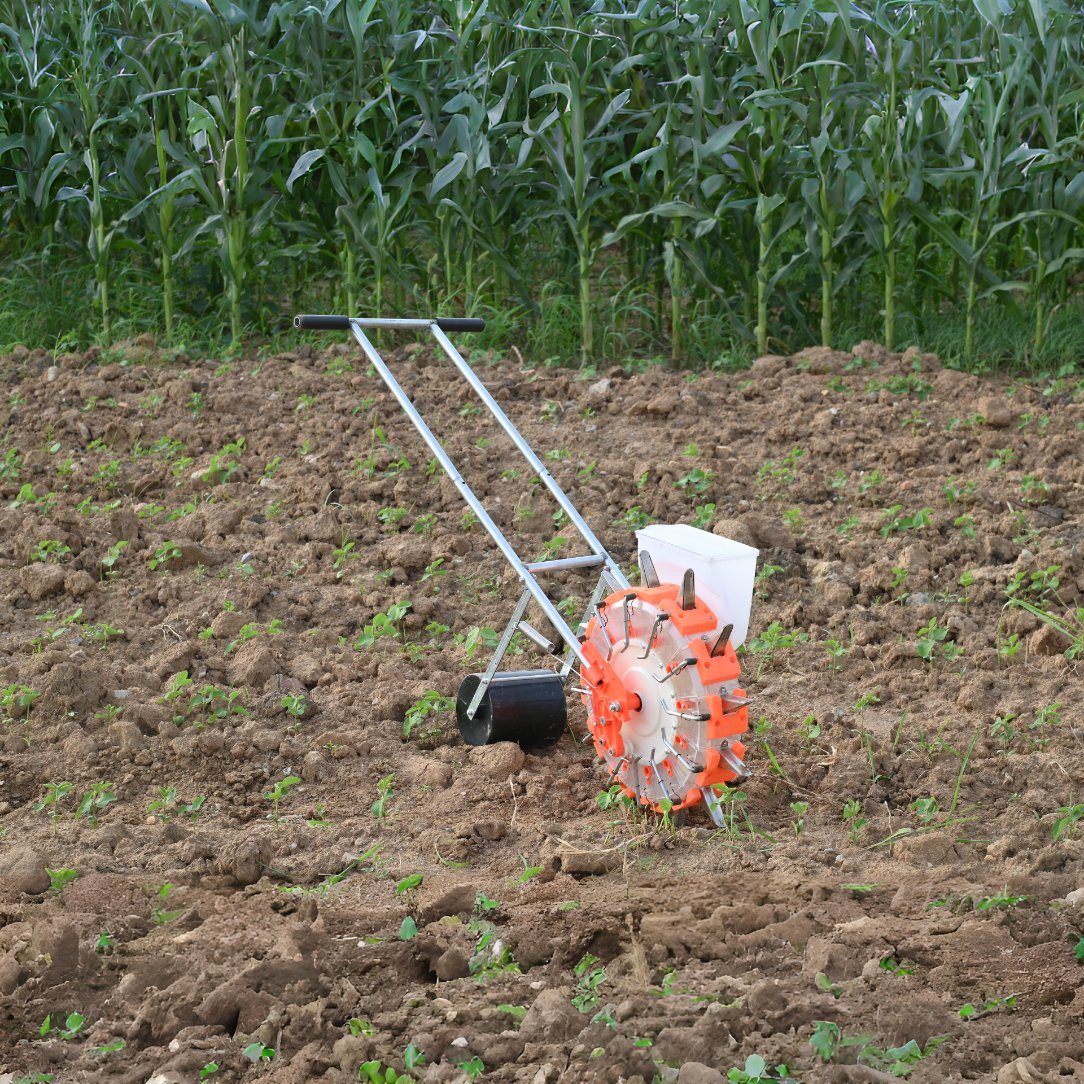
705,179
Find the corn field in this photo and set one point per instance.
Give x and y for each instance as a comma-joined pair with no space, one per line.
685,178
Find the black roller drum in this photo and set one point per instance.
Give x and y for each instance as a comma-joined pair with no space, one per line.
525,706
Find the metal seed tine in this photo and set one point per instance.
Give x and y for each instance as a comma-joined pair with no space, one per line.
680,758
688,590
677,669
648,574
724,638
654,632
626,608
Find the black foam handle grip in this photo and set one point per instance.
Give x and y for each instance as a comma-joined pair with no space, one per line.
323,323
460,323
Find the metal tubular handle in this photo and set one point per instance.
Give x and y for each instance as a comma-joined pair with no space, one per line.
322,323
460,323
342,323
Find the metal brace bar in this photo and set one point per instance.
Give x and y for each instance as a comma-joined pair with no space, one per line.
596,597
530,455
502,647
553,615
589,560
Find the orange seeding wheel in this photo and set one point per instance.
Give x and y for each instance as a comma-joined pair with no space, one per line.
664,706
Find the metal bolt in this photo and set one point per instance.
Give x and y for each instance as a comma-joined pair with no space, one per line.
615,705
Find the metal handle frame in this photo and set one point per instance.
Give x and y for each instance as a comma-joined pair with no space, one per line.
611,575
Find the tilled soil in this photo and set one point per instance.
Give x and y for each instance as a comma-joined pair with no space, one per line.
898,853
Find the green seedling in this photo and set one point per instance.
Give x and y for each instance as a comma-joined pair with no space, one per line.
163,554
828,986
225,464
375,1072
385,793
49,550
472,1067
258,1052
383,625
894,967
162,807
295,704
208,1070
990,1005
852,817
159,914
893,523
517,1012
73,1025
278,792
109,1048
933,638
756,1071
97,798
55,793
589,979
799,809
108,562
1065,826
413,1058
422,717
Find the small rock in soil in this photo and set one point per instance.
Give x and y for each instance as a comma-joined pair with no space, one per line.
498,761
23,870
252,665
1048,641
696,1072
551,1019
735,530
39,581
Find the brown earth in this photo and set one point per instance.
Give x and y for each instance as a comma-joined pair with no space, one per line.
192,933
